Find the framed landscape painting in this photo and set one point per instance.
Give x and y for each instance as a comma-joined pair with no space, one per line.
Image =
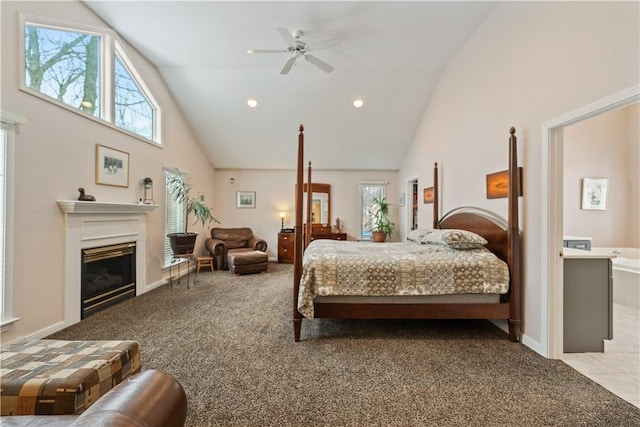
246,199
112,166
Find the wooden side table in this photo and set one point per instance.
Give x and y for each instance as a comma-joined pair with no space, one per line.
204,261
286,245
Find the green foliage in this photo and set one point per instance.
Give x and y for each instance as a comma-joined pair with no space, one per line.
179,189
380,216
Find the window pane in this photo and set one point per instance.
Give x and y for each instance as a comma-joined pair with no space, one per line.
368,192
133,111
174,216
64,65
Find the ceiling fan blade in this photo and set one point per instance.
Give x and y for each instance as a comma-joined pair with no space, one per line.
287,67
286,35
268,50
319,63
323,44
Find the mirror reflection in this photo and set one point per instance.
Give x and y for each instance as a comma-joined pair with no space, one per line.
320,203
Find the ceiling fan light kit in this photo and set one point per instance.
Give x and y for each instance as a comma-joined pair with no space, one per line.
298,48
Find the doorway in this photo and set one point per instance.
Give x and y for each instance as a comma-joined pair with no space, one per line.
553,163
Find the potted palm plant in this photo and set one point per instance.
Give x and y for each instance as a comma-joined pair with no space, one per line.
379,223
184,242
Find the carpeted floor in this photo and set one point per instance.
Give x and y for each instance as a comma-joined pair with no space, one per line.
229,341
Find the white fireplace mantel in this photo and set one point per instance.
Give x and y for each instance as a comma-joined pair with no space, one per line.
94,224
82,207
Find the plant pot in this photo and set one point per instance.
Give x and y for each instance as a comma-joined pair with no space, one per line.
379,236
182,243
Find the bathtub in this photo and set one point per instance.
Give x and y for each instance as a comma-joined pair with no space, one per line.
626,274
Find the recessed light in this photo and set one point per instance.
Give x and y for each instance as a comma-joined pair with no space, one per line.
358,103
252,103
249,51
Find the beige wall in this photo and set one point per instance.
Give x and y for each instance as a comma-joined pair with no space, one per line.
529,63
603,147
633,174
55,154
275,193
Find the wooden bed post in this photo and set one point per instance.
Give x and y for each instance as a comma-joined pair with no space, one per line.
298,247
308,225
436,215
513,236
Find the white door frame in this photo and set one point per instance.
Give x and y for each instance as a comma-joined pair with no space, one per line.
408,202
552,206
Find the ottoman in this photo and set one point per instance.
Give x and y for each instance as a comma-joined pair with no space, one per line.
244,262
54,377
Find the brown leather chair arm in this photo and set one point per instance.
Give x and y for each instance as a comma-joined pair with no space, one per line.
257,244
216,247
218,250
150,398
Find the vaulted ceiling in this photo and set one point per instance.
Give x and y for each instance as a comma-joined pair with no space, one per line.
390,55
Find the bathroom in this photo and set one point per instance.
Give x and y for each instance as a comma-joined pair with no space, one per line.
601,197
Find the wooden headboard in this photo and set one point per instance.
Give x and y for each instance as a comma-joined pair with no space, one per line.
482,222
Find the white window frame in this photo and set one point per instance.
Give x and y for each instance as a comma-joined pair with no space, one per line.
109,47
8,123
365,233
179,211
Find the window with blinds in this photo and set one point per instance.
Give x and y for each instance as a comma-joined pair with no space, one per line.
8,124
368,192
174,214
3,144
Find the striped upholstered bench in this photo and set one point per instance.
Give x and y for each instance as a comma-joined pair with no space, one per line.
52,377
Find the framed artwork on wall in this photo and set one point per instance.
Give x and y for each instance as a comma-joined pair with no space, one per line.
245,199
498,184
594,193
428,195
112,166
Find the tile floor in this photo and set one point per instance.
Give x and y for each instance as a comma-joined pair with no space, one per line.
618,368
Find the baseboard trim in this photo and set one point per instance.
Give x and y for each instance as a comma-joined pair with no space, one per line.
155,285
43,333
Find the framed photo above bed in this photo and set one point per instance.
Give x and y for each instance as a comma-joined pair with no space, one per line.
428,195
594,193
498,184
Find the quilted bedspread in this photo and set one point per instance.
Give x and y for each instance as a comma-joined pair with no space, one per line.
384,269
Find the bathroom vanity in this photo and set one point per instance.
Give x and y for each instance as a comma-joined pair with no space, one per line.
588,300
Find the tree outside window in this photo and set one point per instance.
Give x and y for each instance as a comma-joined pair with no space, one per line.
66,66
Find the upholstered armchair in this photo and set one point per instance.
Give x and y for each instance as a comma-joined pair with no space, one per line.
231,240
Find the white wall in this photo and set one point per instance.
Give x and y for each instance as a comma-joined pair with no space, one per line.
55,154
601,147
528,63
275,193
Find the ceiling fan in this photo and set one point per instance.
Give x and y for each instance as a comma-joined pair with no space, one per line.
298,48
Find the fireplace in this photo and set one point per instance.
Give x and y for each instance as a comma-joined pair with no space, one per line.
91,225
108,277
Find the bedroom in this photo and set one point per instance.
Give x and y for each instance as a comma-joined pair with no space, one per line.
514,70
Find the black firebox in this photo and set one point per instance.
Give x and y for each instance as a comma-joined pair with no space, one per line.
108,276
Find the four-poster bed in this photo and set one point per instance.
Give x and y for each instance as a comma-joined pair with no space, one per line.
486,286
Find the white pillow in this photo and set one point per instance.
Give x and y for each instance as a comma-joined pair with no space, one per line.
454,238
417,234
